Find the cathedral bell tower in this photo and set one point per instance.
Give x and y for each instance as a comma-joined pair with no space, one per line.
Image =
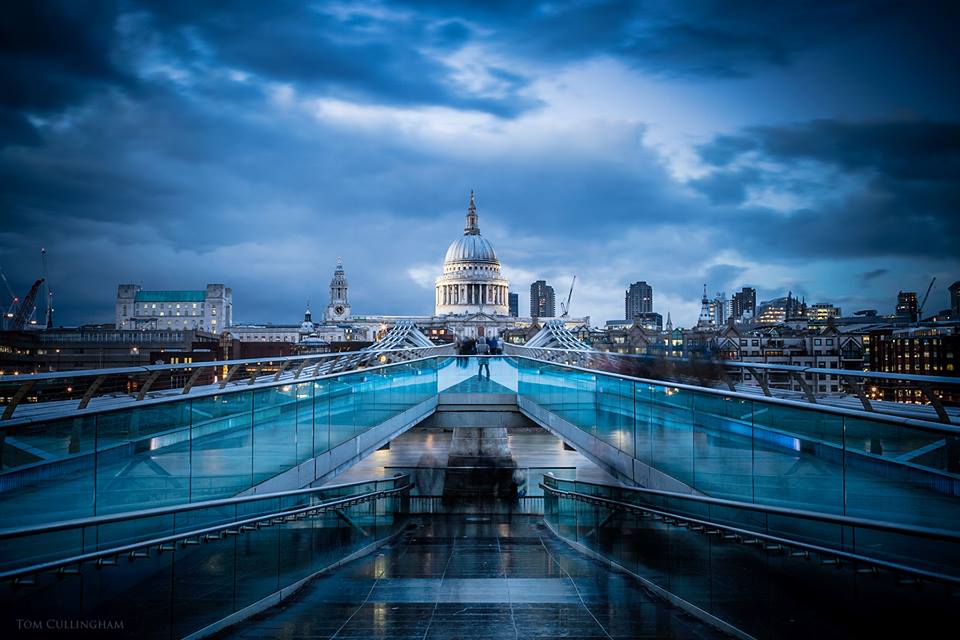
339,307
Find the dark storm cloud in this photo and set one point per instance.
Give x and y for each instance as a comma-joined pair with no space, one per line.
201,192
349,52
52,55
726,186
901,150
143,142
875,273
907,175
712,38
57,54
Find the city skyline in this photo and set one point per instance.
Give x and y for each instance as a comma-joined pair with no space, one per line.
805,149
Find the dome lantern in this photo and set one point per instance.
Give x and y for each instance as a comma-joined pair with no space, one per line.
472,227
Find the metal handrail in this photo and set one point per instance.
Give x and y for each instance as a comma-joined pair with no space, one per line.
22,572
909,377
351,359
750,534
948,535
854,380
926,425
83,373
186,506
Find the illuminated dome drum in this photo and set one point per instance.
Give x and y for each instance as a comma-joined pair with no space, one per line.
471,280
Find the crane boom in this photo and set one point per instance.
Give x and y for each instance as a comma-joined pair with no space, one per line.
47,320
6,283
27,307
925,296
565,308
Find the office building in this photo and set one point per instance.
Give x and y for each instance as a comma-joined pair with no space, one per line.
907,305
820,312
543,302
651,321
638,299
100,347
720,308
514,303
744,304
930,351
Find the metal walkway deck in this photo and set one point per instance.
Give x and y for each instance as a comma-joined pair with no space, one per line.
490,579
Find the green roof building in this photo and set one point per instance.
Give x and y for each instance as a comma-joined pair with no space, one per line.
209,309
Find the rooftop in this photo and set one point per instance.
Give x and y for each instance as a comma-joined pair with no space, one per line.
170,296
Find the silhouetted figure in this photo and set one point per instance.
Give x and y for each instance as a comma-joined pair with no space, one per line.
483,349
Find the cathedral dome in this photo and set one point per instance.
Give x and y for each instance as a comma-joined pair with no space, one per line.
471,280
471,249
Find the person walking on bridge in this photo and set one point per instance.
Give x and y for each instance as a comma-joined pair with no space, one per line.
483,349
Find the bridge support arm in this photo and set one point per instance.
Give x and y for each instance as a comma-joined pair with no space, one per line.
92,389
857,387
727,380
762,379
303,365
807,389
192,381
232,370
283,367
350,521
256,372
17,399
146,385
935,401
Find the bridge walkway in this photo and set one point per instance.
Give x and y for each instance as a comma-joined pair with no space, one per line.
480,578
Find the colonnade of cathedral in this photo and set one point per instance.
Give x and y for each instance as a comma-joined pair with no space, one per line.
472,294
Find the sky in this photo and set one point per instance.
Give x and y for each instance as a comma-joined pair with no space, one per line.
808,147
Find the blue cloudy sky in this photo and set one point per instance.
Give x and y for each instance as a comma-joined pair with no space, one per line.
804,146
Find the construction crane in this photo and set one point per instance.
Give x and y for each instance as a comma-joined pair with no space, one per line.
50,310
27,307
47,294
8,314
565,308
924,302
